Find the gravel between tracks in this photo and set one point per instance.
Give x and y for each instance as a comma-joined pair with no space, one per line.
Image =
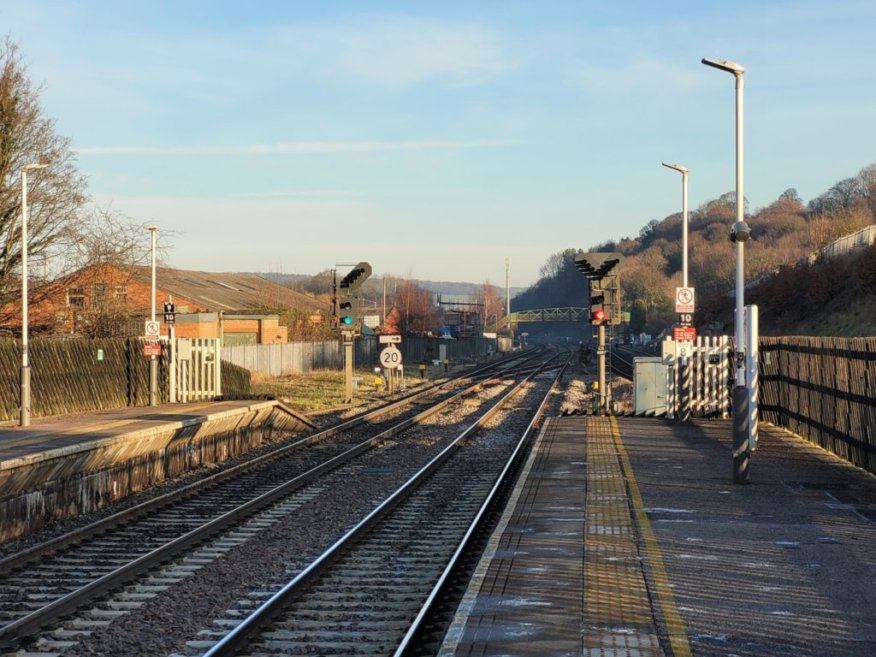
164,625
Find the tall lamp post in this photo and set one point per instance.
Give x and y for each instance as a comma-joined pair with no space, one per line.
739,234
24,416
683,171
153,361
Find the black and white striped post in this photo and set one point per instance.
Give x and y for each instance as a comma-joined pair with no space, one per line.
684,398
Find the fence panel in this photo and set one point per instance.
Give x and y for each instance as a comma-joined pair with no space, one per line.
296,357
76,375
823,389
288,358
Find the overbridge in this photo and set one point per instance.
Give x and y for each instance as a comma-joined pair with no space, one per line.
549,315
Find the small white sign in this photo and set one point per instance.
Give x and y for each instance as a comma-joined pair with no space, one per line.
684,299
184,349
389,339
153,330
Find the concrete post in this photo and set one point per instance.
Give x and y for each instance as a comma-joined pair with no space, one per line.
348,367
600,358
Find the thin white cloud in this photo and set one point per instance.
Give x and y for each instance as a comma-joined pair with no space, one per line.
312,194
294,148
404,50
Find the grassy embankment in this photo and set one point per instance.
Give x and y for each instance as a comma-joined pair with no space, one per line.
322,390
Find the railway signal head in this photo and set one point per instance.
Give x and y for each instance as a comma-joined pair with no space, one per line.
597,299
595,266
346,314
358,275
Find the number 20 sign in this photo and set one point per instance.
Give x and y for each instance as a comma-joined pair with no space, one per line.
390,357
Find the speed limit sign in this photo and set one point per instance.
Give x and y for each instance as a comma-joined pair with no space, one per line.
390,357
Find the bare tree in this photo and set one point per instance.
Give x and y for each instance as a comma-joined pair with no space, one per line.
106,237
867,178
415,307
109,245
55,194
492,305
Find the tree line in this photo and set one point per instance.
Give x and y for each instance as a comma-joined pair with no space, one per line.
785,235
66,231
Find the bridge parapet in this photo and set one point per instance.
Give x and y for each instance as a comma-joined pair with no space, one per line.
549,315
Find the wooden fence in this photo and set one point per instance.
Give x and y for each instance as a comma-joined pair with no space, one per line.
76,375
823,389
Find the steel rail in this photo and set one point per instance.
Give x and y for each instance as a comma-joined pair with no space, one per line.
273,607
33,621
476,525
36,552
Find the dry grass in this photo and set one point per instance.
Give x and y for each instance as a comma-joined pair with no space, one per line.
320,390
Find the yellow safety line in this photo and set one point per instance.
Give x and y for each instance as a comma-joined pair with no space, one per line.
674,624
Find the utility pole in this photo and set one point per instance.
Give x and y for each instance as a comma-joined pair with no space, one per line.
507,296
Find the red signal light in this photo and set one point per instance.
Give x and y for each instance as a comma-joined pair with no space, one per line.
597,316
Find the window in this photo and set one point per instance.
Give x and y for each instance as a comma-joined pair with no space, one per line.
121,294
98,295
75,297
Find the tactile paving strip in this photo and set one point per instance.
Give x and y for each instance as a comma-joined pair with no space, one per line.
618,620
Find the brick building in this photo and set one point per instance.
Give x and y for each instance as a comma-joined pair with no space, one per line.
236,307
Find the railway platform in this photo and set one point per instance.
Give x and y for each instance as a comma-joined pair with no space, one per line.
625,537
47,436
63,465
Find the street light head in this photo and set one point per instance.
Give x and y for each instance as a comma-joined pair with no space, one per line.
740,232
31,167
724,65
678,167
152,227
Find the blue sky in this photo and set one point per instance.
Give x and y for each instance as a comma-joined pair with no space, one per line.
435,139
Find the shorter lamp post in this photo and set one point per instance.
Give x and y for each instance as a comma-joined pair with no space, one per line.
683,171
153,362
683,360
24,416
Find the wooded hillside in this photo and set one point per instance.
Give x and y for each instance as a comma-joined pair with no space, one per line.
783,269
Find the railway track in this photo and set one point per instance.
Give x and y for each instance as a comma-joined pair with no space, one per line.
126,560
371,591
622,358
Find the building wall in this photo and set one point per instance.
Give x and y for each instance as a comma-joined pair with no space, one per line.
264,329
74,304
69,304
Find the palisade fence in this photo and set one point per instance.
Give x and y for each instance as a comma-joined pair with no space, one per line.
823,389
297,357
76,375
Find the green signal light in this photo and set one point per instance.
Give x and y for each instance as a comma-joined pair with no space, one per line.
347,320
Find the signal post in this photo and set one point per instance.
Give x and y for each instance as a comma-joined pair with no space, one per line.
605,306
348,319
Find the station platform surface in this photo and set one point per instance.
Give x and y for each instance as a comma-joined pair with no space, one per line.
626,537
59,434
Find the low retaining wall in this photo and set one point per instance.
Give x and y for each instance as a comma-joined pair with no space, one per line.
63,482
